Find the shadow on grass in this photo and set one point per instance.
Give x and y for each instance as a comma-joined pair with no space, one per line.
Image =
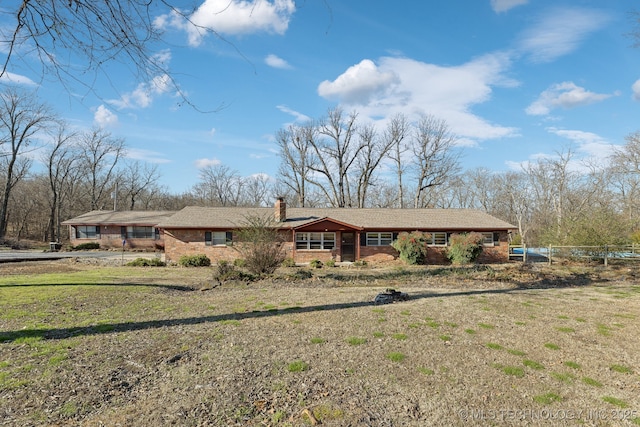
147,285
577,280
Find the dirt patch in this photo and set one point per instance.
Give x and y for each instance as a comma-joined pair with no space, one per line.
496,345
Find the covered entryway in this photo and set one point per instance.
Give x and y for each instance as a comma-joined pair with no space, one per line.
348,246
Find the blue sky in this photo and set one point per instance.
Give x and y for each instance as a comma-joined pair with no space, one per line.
514,79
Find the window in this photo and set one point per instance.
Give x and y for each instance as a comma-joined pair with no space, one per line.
379,239
487,239
439,239
140,232
87,232
315,240
217,238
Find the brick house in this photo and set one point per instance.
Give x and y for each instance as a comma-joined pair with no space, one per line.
341,234
137,229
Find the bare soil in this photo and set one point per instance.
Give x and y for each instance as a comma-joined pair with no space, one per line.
489,345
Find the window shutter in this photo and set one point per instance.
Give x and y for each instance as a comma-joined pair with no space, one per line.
97,231
229,238
394,236
496,238
363,239
207,237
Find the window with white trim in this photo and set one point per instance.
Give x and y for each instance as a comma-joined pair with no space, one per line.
439,238
217,238
315,241
487,239
379,239
87,231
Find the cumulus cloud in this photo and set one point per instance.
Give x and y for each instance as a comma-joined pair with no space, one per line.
276,62
231,17
403,85
359,83
504,5
559,32
205,163
104,117
143,95
563,95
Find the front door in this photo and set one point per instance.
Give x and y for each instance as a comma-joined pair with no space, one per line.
348,247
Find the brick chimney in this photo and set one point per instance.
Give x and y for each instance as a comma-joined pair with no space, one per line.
280,210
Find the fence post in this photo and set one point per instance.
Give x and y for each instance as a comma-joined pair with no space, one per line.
606,255
549,254
524,253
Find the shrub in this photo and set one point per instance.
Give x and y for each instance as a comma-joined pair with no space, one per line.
330,263
146,262
200,260
261,245
226,271
360,263
412,246
464,248
288,262
87,246
239,262
315,263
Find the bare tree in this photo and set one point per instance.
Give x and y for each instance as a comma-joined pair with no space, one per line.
61,160
219,186
336,150
296,159
137,179
22,117
257,190
625,173
434,157
99,154
396,133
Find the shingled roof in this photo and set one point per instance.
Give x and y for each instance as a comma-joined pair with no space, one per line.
194,217
120,218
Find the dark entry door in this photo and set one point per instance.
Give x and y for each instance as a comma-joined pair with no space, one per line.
348,246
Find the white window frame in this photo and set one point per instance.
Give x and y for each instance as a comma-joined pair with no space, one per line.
315,241
377,239
218,238
487,239
439,238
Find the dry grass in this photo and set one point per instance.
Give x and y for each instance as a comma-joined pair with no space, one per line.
88,345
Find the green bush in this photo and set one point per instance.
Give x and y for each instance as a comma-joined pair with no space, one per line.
412,246
146,262
360,263
315,263
288,262
200,260
464,248
87,246
239,262
330,263
225,271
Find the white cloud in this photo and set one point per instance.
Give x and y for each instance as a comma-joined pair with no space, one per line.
276,62
636,90
11,78
232,17
593,145
410,87
300,118
559,32
143,95
104,117
359,83
504,5
146,155
564,95
205,163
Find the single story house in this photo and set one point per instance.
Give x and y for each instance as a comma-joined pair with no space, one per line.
341,234
117,229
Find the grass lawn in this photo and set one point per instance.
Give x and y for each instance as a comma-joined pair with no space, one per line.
93,345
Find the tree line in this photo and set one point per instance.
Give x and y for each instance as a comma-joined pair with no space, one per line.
334,161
